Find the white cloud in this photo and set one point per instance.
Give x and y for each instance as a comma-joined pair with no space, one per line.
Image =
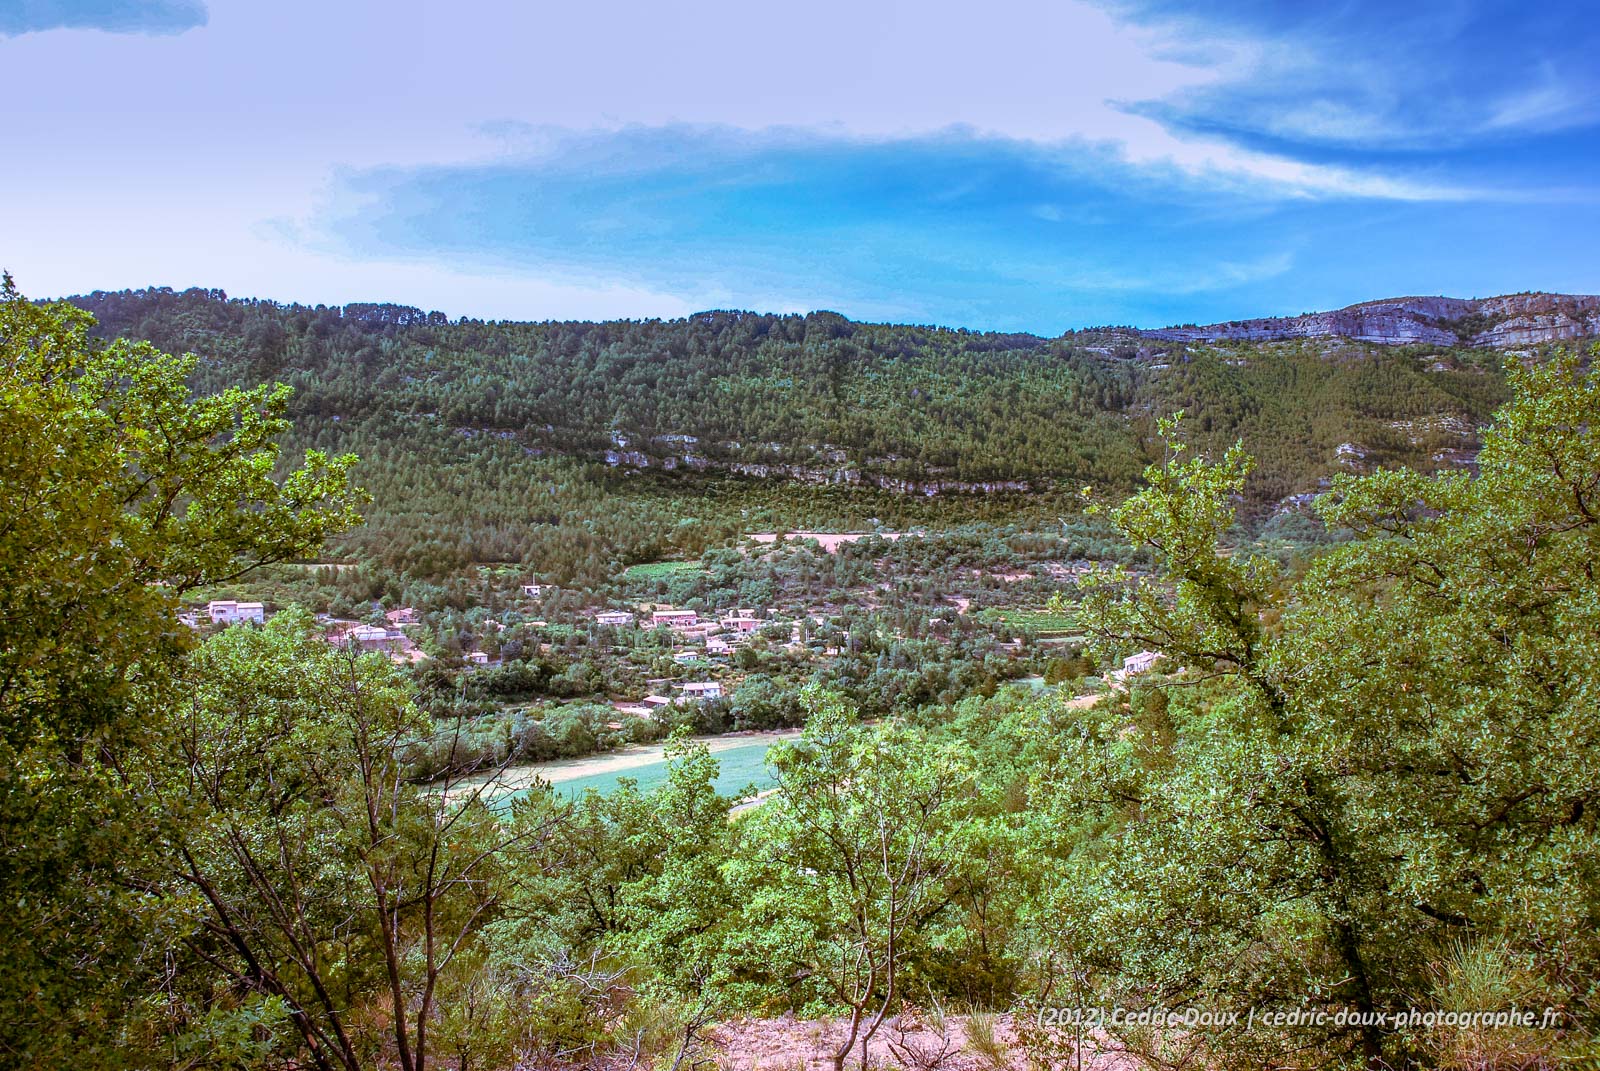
56,255
1221,163
1067,74
1549,103
253,117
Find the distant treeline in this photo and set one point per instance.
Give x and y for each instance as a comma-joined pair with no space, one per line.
523,442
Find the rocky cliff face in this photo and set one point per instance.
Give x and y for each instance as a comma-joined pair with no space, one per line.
1510,320
834,476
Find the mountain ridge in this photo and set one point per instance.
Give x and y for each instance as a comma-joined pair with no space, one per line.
1529,318
1499,322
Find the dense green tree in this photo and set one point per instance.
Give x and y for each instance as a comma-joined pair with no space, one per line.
1362,778
319,877
121,493
847,861
578,447
1396,752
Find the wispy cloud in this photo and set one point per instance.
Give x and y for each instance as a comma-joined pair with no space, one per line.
1027,163
1551,103
111,16
953,226
1373,75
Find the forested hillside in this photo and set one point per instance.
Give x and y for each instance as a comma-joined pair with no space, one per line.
581,446
1345,805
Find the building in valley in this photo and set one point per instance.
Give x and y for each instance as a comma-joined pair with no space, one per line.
1139,663
374,638
674,618
741,622
229,612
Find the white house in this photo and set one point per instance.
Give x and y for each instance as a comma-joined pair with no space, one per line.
702,690
533,591
228,612
656,701
684,658
477,658
716,648
614,618
375,638
674,618
1139,663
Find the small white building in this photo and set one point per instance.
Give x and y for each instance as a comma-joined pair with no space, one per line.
614,618
229,612
655,702
716,648
534,591
687,658
674,618
1139,663
702,690
375,638
477,658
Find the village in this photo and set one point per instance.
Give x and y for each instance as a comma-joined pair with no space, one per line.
704,642
895,623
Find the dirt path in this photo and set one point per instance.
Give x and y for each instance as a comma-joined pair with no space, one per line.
1084,702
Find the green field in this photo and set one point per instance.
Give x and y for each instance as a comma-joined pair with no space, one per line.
1039,622
660,570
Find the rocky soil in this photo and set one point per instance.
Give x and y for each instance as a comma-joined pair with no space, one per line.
910,1041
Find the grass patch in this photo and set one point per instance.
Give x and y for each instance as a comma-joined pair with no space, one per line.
660,570
1037,622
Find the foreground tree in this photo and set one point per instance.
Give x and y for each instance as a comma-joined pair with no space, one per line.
846,862
1397,754
122,492
321,879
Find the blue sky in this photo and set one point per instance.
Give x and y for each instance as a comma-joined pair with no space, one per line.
1013,165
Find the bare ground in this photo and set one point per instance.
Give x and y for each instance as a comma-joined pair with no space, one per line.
829,541
790,1044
